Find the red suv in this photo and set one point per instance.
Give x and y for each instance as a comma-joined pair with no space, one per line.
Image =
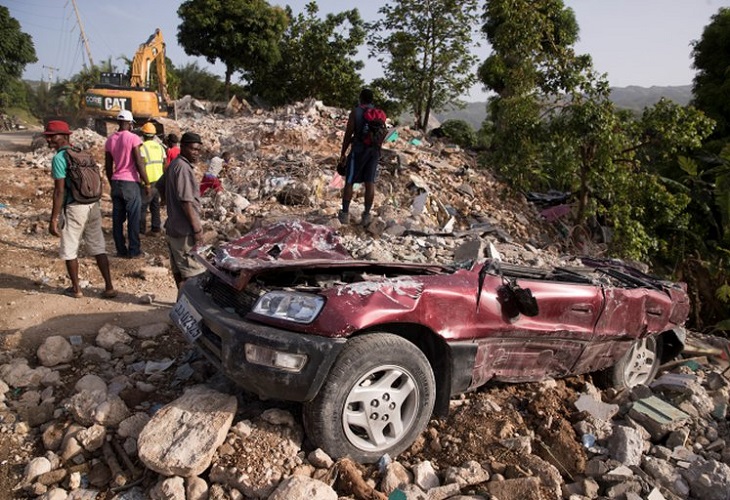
373,349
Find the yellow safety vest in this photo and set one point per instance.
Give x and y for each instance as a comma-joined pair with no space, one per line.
154,159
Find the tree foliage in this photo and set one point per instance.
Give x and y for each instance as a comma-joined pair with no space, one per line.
711,86
200,83
16,51
555,127
532,62
317,60
460,132
243,34
424,47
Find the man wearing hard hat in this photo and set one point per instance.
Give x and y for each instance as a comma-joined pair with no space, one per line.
153,154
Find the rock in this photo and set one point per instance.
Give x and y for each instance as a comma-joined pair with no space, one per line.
34,468
709,480
96,354
55,494
52,437
17,373
133,425
92,438
70,448
36,415
109,335
593,405
196,488
172,488
90,382
394,477
527,488
275,416
182,436
666,475
89,407
153,330
424,476
54,351
52,477
469,250
467,474
303,488
626,445
320,459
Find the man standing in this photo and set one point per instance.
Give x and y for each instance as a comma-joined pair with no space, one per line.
124,169
362,162
173,148
153,154
79,221
180,192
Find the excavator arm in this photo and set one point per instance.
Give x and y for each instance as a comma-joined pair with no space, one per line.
153,50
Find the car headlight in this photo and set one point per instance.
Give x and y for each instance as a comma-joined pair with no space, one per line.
291,306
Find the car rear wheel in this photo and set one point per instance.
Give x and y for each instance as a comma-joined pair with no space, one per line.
639,365
377,399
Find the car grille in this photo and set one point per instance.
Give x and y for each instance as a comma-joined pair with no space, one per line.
229,298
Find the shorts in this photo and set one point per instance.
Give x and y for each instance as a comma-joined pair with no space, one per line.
79,223
362,166
182,262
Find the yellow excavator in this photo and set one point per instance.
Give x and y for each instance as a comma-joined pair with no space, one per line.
103,101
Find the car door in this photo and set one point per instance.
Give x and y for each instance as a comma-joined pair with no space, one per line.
550,343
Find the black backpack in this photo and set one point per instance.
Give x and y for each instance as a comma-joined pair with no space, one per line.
84,176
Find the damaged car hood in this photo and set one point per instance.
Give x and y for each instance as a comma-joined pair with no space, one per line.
290,245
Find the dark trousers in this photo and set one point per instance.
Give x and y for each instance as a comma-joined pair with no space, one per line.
153,205
126,207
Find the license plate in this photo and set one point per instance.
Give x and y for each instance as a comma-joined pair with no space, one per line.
187,318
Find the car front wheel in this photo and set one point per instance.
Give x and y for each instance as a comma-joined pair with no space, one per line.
377,399
639,365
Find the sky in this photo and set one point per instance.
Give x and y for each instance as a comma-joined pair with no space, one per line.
636,42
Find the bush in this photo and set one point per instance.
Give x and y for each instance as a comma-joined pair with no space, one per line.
460,132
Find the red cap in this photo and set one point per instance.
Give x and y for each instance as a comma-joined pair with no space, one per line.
57,127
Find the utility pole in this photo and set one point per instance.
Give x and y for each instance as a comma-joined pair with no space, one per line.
83,34
50,69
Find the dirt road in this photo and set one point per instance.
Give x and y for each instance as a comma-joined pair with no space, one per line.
32,277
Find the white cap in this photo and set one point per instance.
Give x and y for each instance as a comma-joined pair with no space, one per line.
125,116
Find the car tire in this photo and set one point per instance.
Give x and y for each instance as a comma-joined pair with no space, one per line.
639,365
377,399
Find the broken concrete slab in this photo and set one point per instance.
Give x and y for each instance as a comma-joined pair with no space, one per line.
657,416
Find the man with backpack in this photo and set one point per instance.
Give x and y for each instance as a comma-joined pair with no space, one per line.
365,133
79,218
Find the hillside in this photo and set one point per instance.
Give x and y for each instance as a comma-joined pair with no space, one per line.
633,98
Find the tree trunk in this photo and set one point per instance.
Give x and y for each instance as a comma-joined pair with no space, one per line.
229,73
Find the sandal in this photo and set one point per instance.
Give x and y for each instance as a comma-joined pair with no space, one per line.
69,292
109,294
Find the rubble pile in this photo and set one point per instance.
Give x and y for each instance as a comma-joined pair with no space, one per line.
430,198
135,413
116,415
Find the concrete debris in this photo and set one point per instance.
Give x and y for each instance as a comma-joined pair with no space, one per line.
135,413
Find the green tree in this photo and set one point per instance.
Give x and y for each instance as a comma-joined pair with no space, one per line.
424,47
16,51
711,86
200,83
460,132
318,60
243,34
532,62
555,127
